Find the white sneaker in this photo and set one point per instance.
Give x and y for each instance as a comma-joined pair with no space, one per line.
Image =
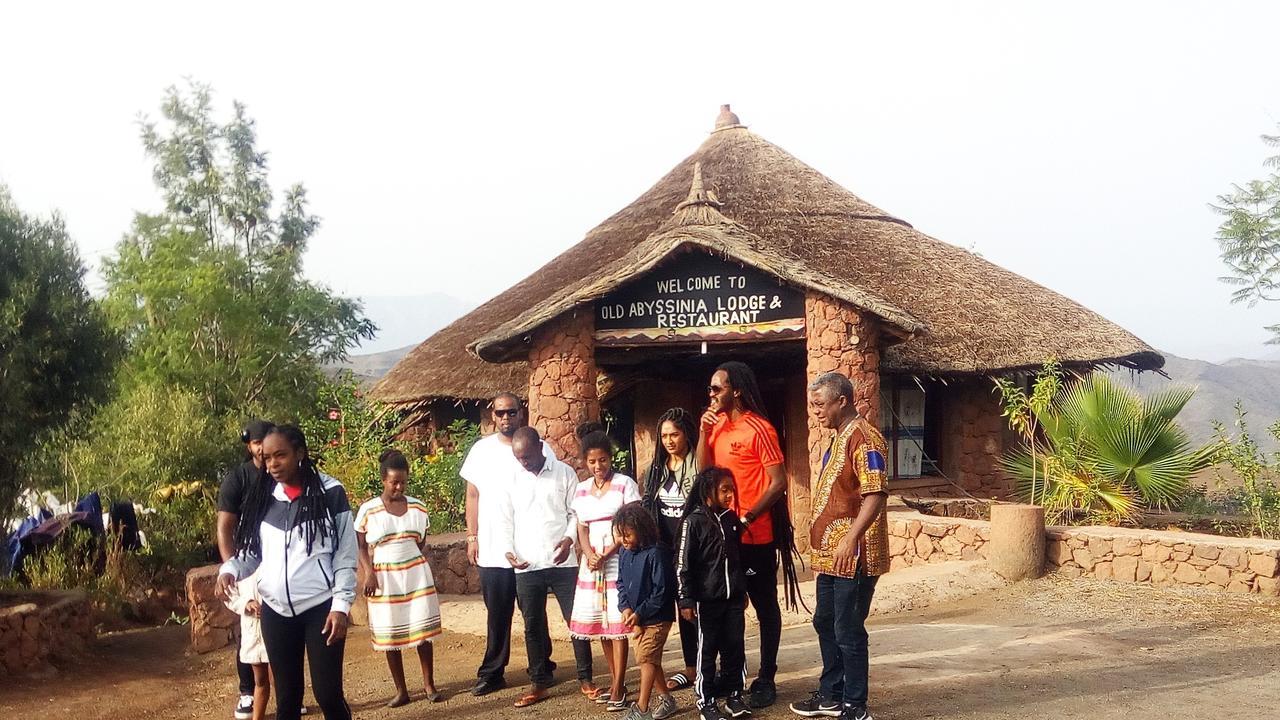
244,708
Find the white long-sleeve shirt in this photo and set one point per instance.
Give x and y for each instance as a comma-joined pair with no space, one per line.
536,515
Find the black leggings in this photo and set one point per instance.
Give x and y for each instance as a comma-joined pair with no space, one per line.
286,639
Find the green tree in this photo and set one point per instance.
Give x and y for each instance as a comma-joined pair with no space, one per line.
56,349
1249,237
209,292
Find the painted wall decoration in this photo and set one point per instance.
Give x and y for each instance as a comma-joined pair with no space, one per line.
700,297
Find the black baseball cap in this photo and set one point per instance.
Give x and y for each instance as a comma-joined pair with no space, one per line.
256,430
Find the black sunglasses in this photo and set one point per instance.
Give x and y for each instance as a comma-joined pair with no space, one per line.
507,413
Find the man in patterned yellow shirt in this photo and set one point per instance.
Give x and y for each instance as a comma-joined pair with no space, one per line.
849,548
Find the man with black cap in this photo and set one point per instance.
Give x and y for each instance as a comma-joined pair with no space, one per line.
230,498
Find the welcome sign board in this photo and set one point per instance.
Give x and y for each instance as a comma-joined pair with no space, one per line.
700,297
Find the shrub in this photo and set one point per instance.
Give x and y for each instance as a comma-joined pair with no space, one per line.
1257,496
1096,452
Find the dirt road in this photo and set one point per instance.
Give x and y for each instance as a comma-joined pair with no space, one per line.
1044,649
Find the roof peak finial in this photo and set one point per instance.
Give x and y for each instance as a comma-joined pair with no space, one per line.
727,119
701,207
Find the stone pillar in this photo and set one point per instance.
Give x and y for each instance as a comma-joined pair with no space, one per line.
1017,544
562,381
841,338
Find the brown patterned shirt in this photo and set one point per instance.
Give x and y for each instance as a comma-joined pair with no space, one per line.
853,467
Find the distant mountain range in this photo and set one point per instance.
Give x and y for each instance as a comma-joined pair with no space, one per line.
406,321
1255,383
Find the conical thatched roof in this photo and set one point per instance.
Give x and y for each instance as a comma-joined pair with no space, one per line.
758,204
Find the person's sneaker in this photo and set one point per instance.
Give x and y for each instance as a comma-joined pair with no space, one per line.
244,708
761,694
665,707
855,713
817,706
735,706
635,713
710,711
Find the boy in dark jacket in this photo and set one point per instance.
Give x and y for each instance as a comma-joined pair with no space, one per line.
711,589
646,595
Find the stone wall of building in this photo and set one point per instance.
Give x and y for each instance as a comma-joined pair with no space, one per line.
37,627
839,338
1243,565
562,381
973,436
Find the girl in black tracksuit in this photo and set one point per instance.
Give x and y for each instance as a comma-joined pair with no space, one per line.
711,589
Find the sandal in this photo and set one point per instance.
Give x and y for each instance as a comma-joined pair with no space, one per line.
531,698
679,681
590,694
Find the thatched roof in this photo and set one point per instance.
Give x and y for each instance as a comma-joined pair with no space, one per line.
960,313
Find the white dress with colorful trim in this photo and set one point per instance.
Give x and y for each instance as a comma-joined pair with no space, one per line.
595,601
406,611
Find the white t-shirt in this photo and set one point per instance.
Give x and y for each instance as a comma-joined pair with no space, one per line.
490,466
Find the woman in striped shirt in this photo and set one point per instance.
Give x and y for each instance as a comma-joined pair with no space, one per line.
404,611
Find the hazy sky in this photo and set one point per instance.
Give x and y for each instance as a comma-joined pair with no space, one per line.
457,149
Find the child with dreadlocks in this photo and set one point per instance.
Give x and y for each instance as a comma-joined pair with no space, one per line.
735,434
297,534
711,591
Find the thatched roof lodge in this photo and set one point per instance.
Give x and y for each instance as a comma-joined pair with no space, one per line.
921,325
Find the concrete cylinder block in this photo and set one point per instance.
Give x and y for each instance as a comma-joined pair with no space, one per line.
1016,549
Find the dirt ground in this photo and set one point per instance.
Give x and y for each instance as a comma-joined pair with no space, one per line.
1050,648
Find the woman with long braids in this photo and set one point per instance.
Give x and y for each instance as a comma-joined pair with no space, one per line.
298,535
735,434
666,488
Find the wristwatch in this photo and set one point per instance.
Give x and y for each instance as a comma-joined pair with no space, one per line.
748,518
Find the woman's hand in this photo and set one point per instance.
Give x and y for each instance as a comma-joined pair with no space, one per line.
593,560
335,628
371,585
226,587
253,609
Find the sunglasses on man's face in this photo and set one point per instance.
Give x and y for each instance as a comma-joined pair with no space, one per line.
714,389
507,413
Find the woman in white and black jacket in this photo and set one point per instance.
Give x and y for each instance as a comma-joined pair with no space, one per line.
298,535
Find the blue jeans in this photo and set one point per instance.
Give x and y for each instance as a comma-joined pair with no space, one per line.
840,619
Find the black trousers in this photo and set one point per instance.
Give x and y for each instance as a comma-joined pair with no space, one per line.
498,588
760,565
721,631
287,639
532,588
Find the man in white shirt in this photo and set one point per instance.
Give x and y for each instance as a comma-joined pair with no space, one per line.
539,529
489,470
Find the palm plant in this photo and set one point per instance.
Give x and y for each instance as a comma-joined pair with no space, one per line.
1105,453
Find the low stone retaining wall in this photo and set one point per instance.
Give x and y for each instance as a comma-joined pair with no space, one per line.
916,538
36,627
1244,565
213,626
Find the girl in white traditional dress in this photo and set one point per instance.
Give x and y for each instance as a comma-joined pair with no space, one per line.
253,652
595,602
404,611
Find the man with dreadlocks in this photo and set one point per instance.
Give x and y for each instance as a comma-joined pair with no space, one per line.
734,434
849,548
297,534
